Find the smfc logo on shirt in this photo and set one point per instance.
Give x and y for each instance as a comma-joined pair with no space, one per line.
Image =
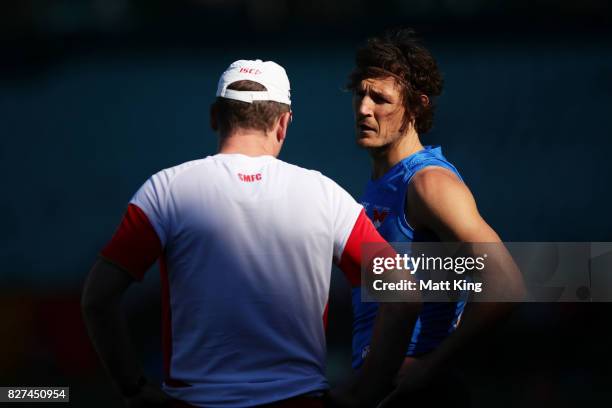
249,177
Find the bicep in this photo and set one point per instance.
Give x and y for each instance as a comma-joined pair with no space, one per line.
461,221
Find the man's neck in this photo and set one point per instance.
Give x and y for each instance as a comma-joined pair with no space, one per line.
249,143
384,158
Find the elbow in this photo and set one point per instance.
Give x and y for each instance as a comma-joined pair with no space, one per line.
90,306
103,289
94,303
402,310
519,292
407,305
94,309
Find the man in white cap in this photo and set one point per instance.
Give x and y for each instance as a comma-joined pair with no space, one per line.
245,243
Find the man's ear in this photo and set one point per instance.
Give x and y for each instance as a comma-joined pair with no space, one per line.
424,100
283,124
213,117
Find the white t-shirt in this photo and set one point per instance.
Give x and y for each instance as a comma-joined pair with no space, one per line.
246,246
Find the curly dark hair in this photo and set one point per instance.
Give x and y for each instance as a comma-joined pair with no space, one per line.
399,54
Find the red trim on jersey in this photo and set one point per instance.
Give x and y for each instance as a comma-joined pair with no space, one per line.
325,315
350,261
166,319
135,245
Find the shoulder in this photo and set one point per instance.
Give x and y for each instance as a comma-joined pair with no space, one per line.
436,197
437,200
295,169
174,171
316,184
434,184
308,176
159,184
168,175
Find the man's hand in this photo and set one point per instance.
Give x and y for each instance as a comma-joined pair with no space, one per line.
351,395
340,397
149,396
101,301
416,373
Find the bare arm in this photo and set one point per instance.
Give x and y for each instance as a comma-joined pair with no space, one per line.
392,327
441,203
101,301
390,338
101,304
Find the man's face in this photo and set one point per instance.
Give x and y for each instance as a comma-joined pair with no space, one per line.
379,112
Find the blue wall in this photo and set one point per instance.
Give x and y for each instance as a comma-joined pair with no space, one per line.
528,125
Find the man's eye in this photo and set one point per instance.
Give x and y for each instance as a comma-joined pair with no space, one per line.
379,99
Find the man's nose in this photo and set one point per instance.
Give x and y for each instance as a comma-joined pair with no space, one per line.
364,106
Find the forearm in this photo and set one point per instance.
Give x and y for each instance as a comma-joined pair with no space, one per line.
391,335
476,318
101,306
502,288
109,335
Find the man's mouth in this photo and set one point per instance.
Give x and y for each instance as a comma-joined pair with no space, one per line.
365,128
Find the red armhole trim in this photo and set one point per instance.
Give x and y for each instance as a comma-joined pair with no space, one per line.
135,245
350,261
325,314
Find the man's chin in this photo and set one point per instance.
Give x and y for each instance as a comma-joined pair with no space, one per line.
365,142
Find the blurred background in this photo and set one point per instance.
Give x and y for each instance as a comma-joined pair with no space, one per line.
97,95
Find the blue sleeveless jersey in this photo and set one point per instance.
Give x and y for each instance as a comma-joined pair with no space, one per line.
384,201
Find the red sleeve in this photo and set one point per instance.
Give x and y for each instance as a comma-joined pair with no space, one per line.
363,232
135,245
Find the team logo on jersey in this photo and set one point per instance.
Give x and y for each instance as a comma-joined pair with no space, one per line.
378,215
365,351
249,178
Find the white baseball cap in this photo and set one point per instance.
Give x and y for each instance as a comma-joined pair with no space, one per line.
267,73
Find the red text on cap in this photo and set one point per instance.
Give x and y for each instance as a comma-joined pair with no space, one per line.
254,71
